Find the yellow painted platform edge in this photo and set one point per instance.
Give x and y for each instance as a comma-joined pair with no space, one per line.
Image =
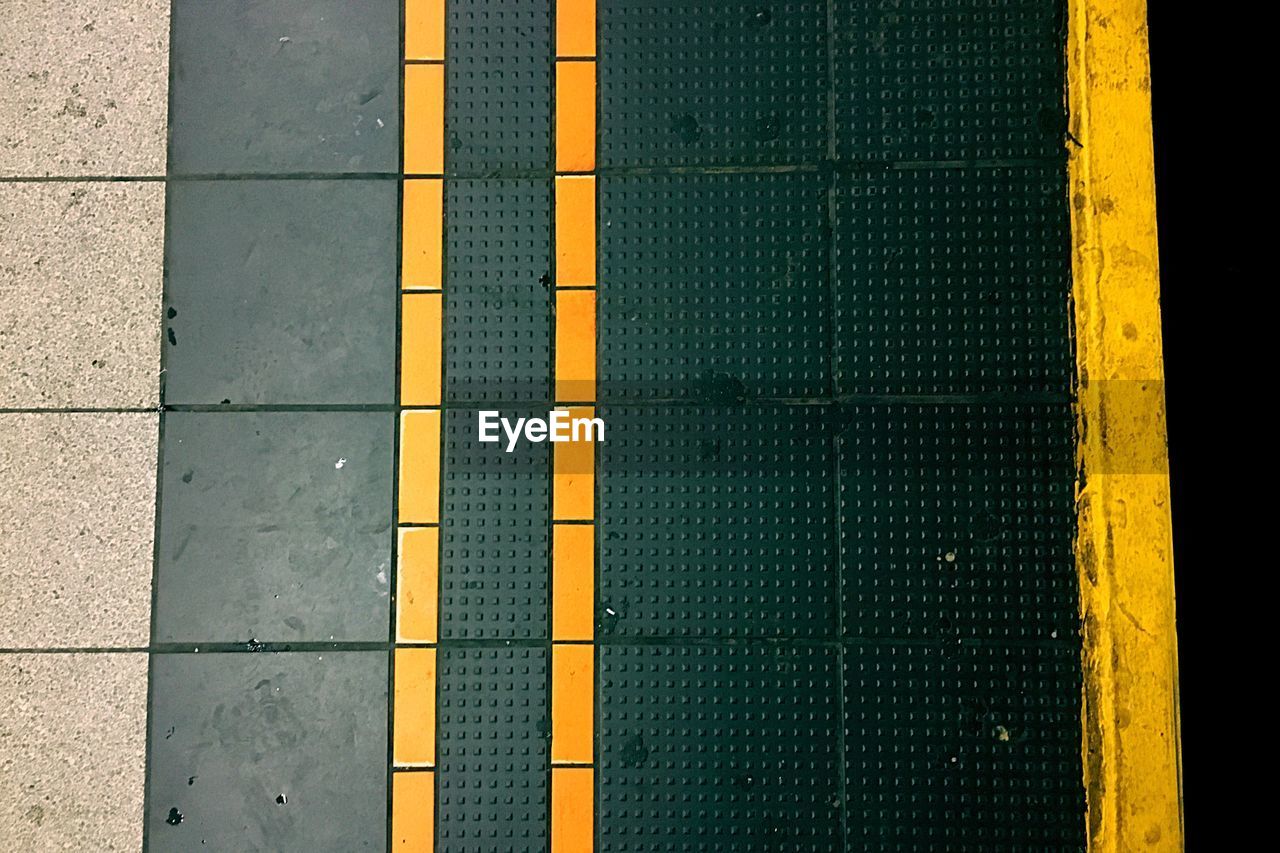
1132,772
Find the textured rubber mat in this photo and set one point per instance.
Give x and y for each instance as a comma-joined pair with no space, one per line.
493,757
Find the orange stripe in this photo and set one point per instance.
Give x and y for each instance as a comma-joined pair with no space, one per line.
575,27
420,345
573,582
417,589
575,346
576,230
572,703
419,487
422,235
575,116
424,119
572,809
424,29
415,707
574,465
413,812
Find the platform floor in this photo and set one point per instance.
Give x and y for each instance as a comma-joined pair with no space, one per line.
262,588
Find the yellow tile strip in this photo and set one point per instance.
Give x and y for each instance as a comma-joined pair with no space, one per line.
421,366
419,484
1124,552
573,463
420,348
418,585
422,235
424,119
576,231
572,805
424,29
413,806
574,474
573,582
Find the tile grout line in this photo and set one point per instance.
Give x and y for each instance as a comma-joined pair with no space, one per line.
160,428
393,580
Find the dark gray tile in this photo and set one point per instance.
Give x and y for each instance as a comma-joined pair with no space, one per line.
281,292
963,748
497,301
492,723
957,522
712,285
493,566
268,752
285,86
718,749
953,281
712,83
274,527
498,85
718,521
949,79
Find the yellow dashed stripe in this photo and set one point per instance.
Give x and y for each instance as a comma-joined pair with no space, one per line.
573,582
573,463
422,235
413,807
424,29
419,486
418,585
424,119
576,230
417,611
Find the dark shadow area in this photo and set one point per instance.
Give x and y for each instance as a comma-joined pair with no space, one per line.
1208,190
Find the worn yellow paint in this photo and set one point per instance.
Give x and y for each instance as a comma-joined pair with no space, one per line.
1124,551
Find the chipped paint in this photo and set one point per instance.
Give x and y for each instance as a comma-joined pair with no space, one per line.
1124,546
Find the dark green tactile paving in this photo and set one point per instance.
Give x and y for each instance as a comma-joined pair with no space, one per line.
498,91
957,521
280,292
718,748
284,86
282,751
274,527
493,569
953,281
718,522
963,748
497,290
492,734
949,79
712,83
714,286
